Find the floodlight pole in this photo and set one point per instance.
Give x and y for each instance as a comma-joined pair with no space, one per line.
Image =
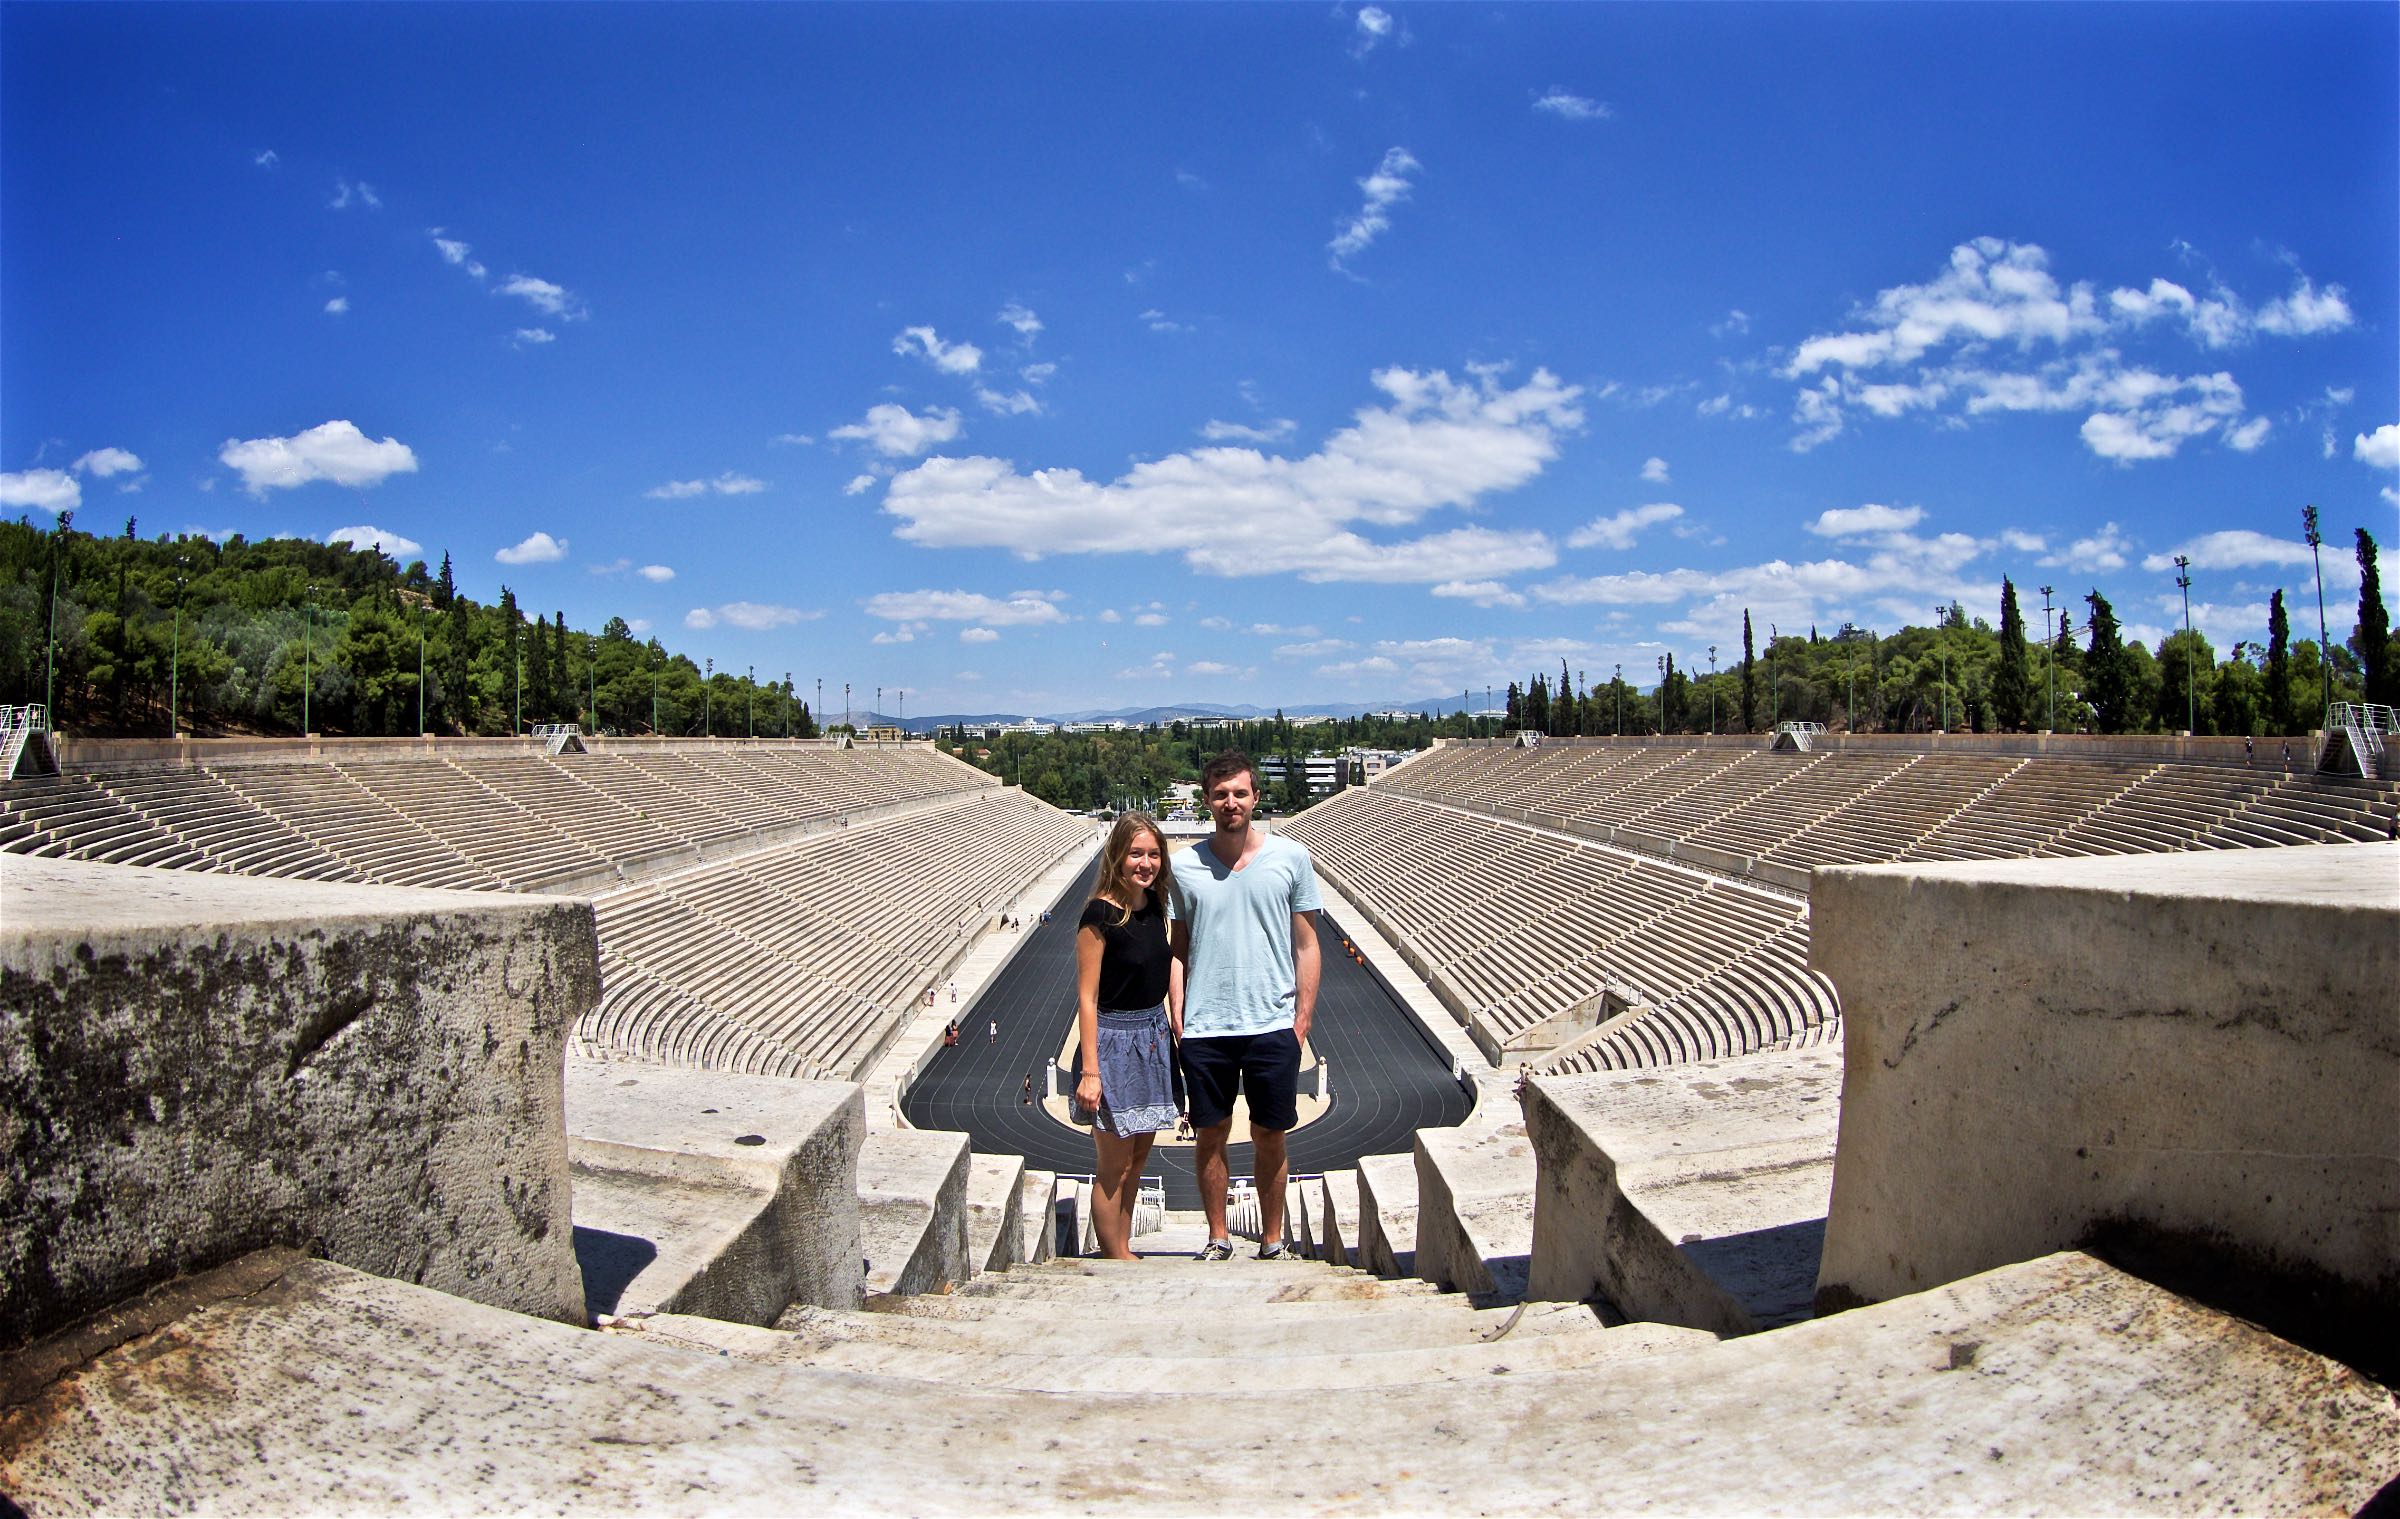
2308,522
1619,684
1712,690
1943,695
2049,661
2191,690
708,699
308,657
175,659
750,706
420,678
516,658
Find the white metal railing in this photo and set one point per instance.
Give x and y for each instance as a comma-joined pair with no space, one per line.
18,724
1803,736
2366,725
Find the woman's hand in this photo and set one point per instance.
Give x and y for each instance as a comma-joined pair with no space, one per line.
1087,1092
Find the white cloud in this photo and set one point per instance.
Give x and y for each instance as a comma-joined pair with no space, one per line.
2307,311
1654,470
1024,609
338,305
700,617
613,567
1235,511
364,537
335,451
1214,667
347,194
726,484
545,297
539,548
533,337
1999,296
457,254
759,618
46,490
949,358
1108,614
858,485
1151,620
907,632
2379,449
267,159
2233,549
1371,25
1383,189
1571,107
1014,403
793,439
1019,317
1736,321
2017,541
638,624
1158,321
1316,648
1037,374
978,635
101,463
1618,531
656,574
1848,521
2103,551
896,432
1484,593
1277,431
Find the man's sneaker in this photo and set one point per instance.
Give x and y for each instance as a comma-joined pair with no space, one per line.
1274,1252
1216,1250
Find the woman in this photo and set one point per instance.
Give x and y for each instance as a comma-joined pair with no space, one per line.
1129,1013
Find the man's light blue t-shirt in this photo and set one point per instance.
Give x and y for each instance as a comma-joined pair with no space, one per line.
1240,978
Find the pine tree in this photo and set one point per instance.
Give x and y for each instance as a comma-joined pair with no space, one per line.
2280,716
2108,679
566,696
1564,712
2372,643
445,589
1749,677
2012,685
1516,707
1537,705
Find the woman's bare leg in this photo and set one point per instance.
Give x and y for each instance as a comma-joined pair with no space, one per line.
1114,1187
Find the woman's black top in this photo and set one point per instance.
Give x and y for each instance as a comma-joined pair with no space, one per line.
1133,955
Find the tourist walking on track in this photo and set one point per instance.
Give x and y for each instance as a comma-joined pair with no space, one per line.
1126,1016
1248,949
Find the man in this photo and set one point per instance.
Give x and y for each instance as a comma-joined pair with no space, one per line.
1247,950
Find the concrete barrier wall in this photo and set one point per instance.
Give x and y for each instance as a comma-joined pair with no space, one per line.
2190,1060
194,1067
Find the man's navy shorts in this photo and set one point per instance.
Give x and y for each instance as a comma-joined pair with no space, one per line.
1265,1068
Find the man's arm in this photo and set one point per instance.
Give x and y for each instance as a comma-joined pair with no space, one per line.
1306,968
1179,951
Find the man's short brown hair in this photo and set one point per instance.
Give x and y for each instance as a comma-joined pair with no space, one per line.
1231,763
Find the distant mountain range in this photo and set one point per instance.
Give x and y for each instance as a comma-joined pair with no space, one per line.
1433,706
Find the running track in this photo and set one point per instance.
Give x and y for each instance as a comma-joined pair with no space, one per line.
1389,1080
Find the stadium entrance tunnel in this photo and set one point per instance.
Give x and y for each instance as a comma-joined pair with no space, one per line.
1388,1077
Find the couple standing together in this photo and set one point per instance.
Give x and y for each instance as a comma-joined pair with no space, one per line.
1211,964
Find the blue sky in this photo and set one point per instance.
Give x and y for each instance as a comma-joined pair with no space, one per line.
1048,357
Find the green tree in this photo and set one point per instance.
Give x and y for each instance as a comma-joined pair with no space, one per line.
1749,677
2012,683
2109,677
2282,716
2372,642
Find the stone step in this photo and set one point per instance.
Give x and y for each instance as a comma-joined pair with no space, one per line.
1337,1227
1146,1367
708,1193
994,1203
1216,1333
2059,1383
1037,1198
1192,1282
1387,1215
1475,1210
1693,1194
912,1214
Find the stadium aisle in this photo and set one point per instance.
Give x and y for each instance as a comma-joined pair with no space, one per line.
1389,1080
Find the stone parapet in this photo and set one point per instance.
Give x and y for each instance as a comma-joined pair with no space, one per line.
193,1067
2189,1060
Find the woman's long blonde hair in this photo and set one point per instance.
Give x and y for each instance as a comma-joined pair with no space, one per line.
1113,886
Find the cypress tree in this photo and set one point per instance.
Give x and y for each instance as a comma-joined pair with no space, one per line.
2372,643
2012,685
2280,716
2108,680
1749,677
